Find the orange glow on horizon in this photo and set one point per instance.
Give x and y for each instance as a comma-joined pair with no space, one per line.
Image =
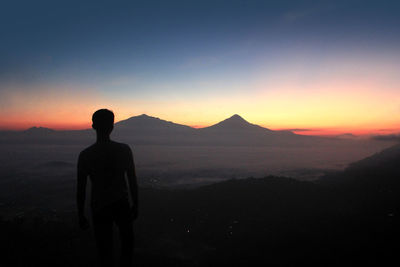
19,126
344,131
360,97
198,126
311,131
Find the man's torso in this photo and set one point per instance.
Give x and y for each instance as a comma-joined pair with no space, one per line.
106,164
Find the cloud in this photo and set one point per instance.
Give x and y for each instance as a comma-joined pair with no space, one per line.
299,130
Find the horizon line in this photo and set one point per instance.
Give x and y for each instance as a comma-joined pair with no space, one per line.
307,131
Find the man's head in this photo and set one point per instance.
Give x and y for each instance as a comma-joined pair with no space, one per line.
103,121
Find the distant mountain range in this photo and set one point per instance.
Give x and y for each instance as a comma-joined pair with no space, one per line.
144,129
231,131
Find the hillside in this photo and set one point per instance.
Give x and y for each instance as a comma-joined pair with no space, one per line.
268,221
379,172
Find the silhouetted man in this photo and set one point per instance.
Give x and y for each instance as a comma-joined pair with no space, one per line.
106,162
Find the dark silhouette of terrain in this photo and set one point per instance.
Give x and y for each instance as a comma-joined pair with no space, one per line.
234,124
346,218
145,129
147,124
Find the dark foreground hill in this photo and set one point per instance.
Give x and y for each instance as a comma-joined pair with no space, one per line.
350,218
375,179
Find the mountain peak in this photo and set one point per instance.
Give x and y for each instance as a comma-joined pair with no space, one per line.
38,130
234,120
236,123
144,116
236,117
140,116
136,118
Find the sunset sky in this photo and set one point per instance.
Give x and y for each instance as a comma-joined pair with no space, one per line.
318,67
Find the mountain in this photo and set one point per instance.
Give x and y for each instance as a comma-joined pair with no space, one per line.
144,129
387,158
236,124
373,182
39,130
237,131
33,135
379,169
40,134
150,125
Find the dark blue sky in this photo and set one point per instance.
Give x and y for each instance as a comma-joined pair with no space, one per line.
148,50
110,36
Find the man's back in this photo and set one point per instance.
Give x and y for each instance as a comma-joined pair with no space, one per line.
106,164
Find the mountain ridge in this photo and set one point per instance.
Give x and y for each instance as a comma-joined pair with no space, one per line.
145,129
233,122
145,120
39,129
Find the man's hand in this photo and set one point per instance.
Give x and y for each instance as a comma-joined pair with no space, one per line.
83,222
134,213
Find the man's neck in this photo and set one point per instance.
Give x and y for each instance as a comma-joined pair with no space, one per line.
103,138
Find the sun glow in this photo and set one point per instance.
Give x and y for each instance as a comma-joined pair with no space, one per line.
346,96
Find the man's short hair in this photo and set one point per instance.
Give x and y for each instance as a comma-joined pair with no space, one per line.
103,120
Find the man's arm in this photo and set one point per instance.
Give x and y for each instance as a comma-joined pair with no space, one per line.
81,193
132,181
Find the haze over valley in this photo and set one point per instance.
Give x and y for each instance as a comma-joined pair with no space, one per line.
169,154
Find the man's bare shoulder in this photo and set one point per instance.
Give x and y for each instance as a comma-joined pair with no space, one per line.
87,151
121,146
111,147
